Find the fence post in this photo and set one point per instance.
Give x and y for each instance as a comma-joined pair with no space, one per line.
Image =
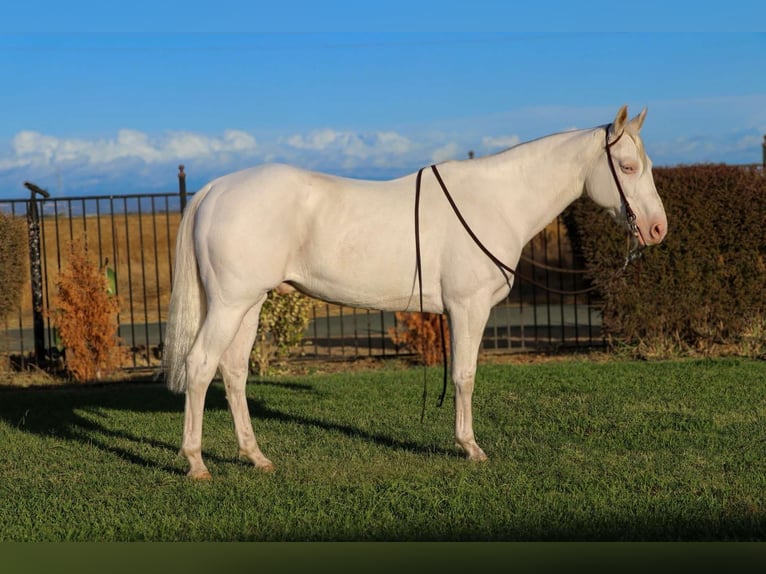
182,186
764,152
35,266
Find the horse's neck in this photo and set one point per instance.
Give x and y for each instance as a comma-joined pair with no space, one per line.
538,180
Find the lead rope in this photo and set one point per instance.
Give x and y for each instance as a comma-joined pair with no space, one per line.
502,266
632,255
419,272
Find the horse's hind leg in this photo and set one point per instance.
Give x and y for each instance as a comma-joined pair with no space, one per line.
234,368
217,332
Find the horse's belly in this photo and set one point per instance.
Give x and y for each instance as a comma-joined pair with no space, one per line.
369,283
354,290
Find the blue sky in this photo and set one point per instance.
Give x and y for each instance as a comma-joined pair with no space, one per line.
110,99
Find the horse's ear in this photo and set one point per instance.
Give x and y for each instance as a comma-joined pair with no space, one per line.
638,121
619,121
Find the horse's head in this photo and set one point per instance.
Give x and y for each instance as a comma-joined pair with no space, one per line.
621,180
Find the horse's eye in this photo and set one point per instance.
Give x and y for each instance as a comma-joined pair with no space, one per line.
629,167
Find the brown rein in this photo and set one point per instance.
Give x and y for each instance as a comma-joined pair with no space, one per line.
632,253
630,217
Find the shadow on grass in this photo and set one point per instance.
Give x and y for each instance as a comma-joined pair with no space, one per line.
60,412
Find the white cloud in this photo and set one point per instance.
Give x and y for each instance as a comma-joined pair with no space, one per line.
446,152
499,142
740,147
350,144
317,140
37,150
394,143
133,160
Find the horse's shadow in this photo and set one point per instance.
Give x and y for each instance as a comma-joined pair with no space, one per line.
81,414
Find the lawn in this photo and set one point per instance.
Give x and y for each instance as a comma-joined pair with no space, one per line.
579,450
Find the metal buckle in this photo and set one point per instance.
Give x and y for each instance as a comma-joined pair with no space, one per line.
633,253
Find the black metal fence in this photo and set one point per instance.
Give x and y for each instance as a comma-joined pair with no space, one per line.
134,235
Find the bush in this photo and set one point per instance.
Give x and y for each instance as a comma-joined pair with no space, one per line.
420,333
13,252
283,320
86,318
704,286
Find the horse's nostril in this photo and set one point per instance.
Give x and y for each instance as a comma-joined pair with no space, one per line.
657,231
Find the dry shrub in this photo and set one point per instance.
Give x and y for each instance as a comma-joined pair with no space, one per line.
753,343
420,333
12,268
283,320
12,262
86,318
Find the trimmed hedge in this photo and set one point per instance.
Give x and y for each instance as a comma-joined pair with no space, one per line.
705,285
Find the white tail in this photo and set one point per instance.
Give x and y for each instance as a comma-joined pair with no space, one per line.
187,301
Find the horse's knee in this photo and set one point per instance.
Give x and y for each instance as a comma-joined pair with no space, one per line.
234,371
464,379
199,370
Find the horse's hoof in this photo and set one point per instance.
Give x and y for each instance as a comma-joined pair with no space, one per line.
477,456
259,461
200,475
472,451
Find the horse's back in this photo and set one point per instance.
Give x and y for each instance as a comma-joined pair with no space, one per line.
323,233
283,184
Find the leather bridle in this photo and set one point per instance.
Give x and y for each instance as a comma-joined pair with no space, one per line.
630,215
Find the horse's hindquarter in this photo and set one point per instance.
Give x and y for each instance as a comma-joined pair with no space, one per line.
241,227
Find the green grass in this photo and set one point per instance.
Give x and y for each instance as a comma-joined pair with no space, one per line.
578,451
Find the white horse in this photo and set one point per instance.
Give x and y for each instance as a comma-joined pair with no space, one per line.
352,242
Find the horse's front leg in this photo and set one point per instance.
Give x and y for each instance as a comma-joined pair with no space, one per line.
466,330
